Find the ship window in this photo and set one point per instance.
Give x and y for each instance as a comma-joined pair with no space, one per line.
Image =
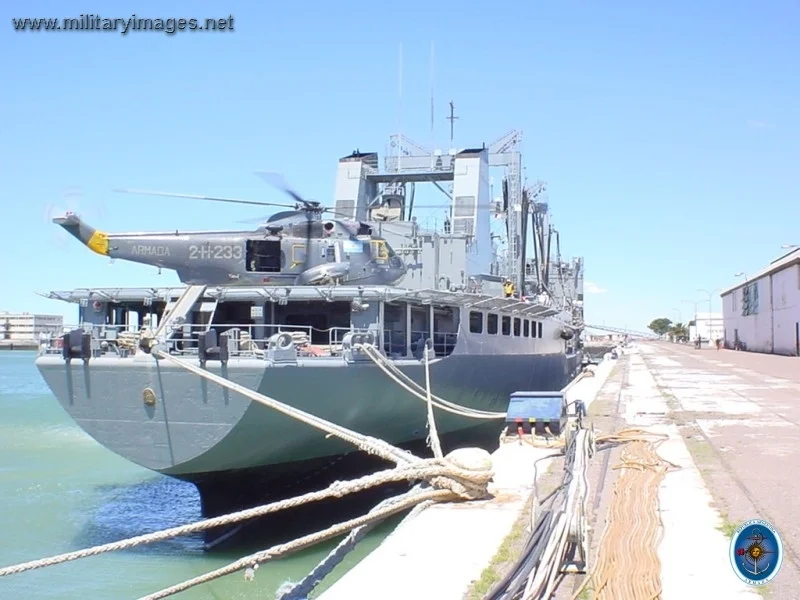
506,325
539,327
516,326
476,322
491,324
264,256
526,328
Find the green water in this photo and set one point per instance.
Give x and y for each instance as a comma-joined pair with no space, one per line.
61,491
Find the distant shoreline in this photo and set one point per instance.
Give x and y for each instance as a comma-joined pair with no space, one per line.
11,345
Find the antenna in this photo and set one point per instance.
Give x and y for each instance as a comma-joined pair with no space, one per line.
400,107
433,127
452,118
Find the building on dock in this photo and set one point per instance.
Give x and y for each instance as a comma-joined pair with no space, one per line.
762,313
707,326
23,330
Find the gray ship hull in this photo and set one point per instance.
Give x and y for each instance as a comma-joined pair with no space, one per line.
196,428
240,453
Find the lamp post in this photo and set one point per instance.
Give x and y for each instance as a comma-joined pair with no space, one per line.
693,303
709,294
709,314
790,246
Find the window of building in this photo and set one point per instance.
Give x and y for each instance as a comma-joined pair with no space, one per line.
750,299
506,325
475,322
539,328
491,324
526,328
517,326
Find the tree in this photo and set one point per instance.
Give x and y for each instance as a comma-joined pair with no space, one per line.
660,326
679,332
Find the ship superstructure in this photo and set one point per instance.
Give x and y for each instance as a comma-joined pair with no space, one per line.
301,344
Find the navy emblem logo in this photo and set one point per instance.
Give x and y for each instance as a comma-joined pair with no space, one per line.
756,552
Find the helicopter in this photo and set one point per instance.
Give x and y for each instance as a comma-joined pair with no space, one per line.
296,247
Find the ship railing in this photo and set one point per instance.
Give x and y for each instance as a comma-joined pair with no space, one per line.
244,340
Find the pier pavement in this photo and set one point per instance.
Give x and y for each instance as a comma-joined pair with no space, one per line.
738,415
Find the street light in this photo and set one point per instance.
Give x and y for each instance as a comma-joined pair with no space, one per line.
790,246
680,318
740,274
694,303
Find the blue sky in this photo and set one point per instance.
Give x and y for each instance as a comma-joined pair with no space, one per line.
667,133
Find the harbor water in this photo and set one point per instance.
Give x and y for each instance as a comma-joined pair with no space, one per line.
62,491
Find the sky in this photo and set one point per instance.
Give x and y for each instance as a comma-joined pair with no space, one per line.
667,133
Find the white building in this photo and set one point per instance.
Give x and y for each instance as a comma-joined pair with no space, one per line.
708,326
25,327
763,313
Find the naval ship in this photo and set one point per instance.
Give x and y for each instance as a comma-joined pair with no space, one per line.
283,308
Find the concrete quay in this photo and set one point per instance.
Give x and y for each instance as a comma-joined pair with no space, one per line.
732,423
442,550
738,419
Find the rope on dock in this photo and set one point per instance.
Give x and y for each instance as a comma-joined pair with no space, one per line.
628,567
627,558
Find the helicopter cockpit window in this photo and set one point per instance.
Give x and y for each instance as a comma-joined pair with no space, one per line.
329,253
379,250
298,255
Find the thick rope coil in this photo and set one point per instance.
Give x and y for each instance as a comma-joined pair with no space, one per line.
628,567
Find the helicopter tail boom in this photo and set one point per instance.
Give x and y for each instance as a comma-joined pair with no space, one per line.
96,241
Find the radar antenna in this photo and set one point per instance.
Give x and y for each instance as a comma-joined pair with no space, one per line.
452,118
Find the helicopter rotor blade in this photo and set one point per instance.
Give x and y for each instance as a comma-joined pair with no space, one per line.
276,180
207,198
255,220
